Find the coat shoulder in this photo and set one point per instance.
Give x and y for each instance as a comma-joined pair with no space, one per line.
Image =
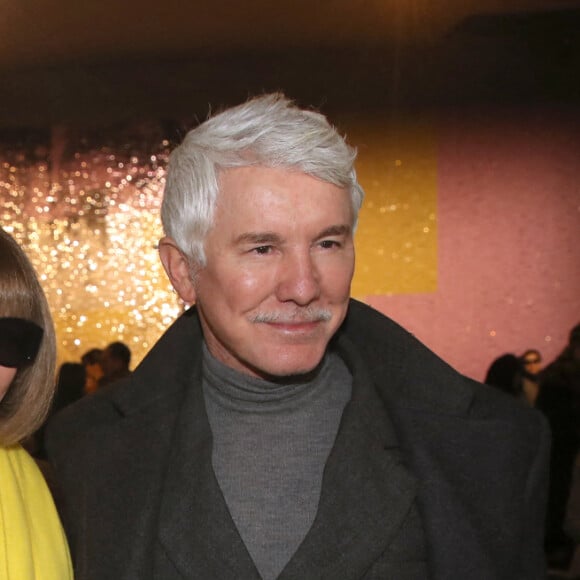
409,374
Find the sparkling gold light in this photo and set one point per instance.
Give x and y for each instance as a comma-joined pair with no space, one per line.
91,236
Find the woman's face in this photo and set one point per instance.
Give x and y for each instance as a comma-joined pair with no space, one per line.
7,375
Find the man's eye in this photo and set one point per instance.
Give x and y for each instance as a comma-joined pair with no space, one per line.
262,250
329,244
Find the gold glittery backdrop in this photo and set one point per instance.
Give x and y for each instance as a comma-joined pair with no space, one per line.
396,240
87,214
89,221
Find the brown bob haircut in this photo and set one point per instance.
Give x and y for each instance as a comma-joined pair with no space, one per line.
28,399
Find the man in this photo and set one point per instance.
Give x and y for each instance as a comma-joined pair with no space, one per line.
115,361
279,429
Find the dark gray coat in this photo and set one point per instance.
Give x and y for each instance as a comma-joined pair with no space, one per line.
142,502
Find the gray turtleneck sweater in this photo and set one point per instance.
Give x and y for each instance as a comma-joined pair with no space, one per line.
270,444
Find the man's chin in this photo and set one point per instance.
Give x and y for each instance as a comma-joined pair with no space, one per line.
290,371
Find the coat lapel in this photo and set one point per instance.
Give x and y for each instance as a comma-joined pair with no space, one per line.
452,444
367,493
458,509
166,487
119,485
196,529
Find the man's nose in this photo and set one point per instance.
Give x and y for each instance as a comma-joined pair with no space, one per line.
298,279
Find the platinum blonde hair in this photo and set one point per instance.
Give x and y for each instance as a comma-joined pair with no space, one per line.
267,131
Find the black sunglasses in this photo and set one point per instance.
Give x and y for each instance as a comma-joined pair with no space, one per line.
19,342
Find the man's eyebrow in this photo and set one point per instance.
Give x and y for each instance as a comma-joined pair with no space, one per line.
336,230
274,238
258,238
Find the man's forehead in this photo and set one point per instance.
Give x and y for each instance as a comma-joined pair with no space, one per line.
253,201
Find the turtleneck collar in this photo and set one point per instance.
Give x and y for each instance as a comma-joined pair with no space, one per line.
232,386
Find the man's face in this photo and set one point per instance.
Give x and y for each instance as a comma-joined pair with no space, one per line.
280,260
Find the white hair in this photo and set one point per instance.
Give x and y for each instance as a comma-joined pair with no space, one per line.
267,131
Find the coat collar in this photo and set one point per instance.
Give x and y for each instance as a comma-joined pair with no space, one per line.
392,371
166,370
404,370
366,493
195,526
417,378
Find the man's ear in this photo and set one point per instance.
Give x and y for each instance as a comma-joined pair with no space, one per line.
178,269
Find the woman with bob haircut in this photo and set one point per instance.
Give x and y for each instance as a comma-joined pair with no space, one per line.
32,542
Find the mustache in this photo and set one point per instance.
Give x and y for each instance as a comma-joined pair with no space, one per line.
308,314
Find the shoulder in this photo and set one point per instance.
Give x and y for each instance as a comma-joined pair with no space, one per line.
29,520
16,461
403,369
24,483
150,391
70,426
409,375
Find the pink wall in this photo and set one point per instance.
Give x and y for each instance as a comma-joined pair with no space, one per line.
509,238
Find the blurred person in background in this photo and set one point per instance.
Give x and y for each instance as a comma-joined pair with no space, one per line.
91,360
531,365
70,387
504,373
559,400
115,362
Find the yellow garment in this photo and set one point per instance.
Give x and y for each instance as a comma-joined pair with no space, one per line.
32,542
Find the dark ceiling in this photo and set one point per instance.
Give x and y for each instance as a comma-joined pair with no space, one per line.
41,32
99,62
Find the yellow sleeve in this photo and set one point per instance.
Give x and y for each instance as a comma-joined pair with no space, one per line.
32,541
